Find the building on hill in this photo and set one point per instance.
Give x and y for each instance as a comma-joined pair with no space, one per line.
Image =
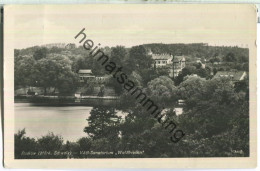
70,46
51,45
235,76
162,60
85,75
179,62
176,63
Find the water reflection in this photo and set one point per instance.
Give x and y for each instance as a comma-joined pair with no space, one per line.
68,122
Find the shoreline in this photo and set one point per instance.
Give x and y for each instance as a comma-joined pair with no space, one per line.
68,100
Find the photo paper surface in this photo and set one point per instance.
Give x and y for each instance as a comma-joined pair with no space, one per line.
130,86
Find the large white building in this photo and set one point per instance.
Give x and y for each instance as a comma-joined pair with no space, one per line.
175,63
162,59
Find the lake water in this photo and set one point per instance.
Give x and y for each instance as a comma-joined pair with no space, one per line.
69,121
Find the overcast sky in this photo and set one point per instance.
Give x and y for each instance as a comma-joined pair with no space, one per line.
130,25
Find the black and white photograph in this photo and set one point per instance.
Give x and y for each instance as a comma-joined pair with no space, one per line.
136,81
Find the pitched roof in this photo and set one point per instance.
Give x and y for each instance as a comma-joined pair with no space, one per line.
235,75
178,58
85,71
161,56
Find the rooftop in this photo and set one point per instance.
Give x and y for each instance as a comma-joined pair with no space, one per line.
178,58
85,71
161,56
235,75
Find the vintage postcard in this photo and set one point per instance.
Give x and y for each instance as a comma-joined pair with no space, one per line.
130,86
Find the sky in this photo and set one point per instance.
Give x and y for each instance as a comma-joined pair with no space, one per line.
129,25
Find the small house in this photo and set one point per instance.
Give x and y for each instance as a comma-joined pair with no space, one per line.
178,111
85,75
234,76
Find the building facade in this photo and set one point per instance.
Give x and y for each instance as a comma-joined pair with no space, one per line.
161,60
85,75
234,76
179,62
175,63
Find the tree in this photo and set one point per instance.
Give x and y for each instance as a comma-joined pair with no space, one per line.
138,59
214,110
188,70
40,53
85,144
24,72
112,82
163,71
192,87
103,122
16,53
136,78
213,101
55,71
215,59
203,72
89,87
162,89
50,142
23,143
230,57
67,83
150,74
118,55
243,58
81,63
136,124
